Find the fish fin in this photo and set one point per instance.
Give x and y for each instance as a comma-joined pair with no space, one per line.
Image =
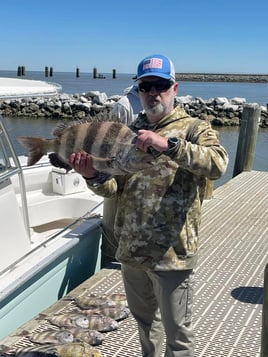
36,148
7,350
41,317
57,162
68,298
103,116
66,124
23,333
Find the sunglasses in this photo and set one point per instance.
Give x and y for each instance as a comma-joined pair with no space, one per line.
160,86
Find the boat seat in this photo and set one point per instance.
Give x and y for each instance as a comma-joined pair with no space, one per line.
14,240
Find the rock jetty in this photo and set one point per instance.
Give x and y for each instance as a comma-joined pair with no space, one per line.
222,77
220,111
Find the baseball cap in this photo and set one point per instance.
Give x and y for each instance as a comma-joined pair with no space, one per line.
156,65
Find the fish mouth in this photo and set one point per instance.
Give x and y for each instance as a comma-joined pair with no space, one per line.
115,325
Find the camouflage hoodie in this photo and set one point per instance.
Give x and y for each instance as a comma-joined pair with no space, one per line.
159,209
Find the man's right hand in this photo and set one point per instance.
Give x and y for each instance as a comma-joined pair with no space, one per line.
82,163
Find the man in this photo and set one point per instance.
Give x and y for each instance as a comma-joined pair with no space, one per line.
126,110
158,214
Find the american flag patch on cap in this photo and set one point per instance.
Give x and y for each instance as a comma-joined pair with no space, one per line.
153,63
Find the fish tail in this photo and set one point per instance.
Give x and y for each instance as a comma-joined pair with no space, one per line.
36,148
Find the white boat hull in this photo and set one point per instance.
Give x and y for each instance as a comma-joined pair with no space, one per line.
50,240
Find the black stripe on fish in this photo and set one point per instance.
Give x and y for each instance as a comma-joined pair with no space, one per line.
70,140
90,136
111,133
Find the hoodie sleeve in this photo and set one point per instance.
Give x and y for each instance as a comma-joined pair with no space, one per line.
203,155
121,111
104,189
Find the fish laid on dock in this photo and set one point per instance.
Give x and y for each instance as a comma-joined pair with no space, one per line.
69,319
111,145
76,319
102,323
49,336
115,312
120,299
92,337
93,301
75,349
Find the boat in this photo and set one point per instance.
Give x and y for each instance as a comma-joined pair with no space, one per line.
50,235
14,88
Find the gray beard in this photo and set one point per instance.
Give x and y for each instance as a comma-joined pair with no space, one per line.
155,110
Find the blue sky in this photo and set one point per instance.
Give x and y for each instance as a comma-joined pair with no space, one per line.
227,36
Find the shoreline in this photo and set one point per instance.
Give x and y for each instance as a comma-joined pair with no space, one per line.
180,76
220,111
222,77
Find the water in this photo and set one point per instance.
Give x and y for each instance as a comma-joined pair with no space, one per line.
253,92
229,139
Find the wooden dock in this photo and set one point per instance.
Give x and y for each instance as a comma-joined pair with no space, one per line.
229,278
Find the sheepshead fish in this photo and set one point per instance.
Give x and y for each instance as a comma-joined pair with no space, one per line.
115,312
102,323
120,299
111,145
93,301
49,336
69,320
77,349
92,337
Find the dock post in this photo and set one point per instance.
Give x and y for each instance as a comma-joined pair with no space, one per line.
95,72
51,71
46,71
23,70
114,73
19,71
247,139
264,334
77,72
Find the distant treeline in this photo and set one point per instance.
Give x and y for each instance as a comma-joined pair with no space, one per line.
222,77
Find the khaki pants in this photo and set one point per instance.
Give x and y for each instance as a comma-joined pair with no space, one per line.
264,340
161,302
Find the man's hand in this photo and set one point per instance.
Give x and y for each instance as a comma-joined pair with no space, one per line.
82,163
147,138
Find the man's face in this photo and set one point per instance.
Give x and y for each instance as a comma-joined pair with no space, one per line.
157,96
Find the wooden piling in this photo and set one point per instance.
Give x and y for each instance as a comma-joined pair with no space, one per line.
51,71
114,73
247,138
264,334
23,70
19,71
46,71
95,72
77,73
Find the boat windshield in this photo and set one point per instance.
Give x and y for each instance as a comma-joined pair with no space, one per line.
3,163
9,164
